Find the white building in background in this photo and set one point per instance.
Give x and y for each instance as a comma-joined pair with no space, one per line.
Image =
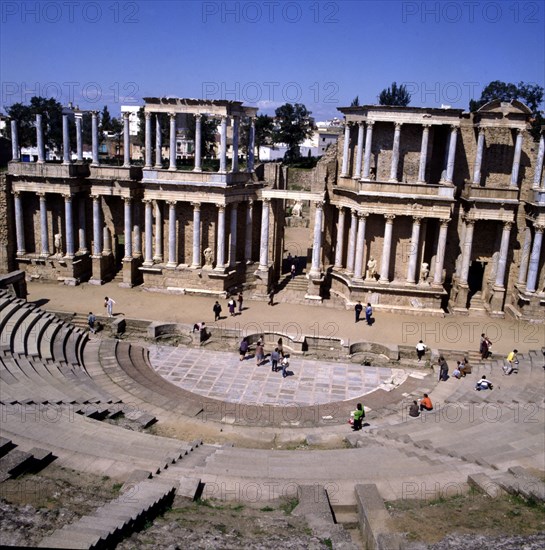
134,122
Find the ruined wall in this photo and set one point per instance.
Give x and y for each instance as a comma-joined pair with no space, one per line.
7,229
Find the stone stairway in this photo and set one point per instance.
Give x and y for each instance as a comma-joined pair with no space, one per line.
14,461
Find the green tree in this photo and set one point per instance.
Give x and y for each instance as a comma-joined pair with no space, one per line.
264,125
208,133
293,124
165,128
395,95
355,102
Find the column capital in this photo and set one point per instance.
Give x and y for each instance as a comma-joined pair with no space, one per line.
539,228
147,115
147,201
470,221
362,215
16,193
172,116
250,202
95,197
67,197
319,204
339,207
41,194
444,221
370,123
454,128
171,203
127,200
223,118
198,116
507,225
481,129
521,131
220,207
417,219
196,205
125,115
252,121
361,123
266,200
398,125
426,126
389,218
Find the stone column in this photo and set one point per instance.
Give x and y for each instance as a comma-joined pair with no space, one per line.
534,259
172,143
69,226
502,261
359,151
233,236
196,234
137,231
82,227
516,158
387,248
351,242
440,255
525,256
147,164
198,153
251,145
15,155
40,139
413,254
126,141
148,229
368,147
128,227
249,231
264,241
43,225
539,161
79,136
466,252
451,153
94,138
340,239
19,224
360,246
158,143
234,165
172,260
395,152
317,240
107,241
423,153
223,144
158,257
344,170
97,226
65,140
479,158
220,251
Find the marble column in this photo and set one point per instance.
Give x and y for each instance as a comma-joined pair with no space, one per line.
196,234
451,153
198,153
172,142
233,236
340,239
525,256
466,252
423,153
79,136
94,137
97,226
264,241
368,148
172,244
19,224
15,154
502,260
516,158
351,242
148,230
82,226
234,165
413,254
148,156
128,227
223,144
137,231
158,257
539,160
158,143
126,141
346,150
220,250
249,231
533,268
69,226
479,158
106,241
440,254
360,246
359,151
43,225
395,153
317,240
386,248
251,145
66,140
40,139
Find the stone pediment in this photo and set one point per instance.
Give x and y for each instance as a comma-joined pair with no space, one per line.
505,107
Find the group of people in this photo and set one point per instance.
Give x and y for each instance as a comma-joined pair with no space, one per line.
279,360
425,405
358,308
231,306
92,322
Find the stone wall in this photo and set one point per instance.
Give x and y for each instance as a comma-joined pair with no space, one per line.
7,230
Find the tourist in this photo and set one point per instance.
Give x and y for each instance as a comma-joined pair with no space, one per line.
240,299
293,271
231,305
109,305
368,313
284,364
243,348
485,346
359,415
465,367
413,410
512,363
420,350
457,372
275,357
217,311
91,320
443,369
425,403
358,308
280,346
259,353
484,384
271,298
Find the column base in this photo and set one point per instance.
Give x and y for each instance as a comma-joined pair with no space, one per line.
197,169
157,259
393,180
384,281
131,274
148,263
171,265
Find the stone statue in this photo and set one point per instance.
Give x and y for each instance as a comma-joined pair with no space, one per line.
208,257
57,242
424,272
297,209
371,268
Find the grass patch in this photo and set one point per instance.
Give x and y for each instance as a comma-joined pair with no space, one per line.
327,542
289,505
266,509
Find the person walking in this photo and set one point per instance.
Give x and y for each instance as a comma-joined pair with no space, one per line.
358,308
91,321
512,363
271,298
284,365
420,350
292,271
217,311
368,313
240,299
231,305
259,353
243,348
280,346
443,369
109,305
275,357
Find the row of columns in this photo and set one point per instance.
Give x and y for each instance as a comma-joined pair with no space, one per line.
531,252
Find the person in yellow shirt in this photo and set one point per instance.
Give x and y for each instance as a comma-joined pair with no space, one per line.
512,363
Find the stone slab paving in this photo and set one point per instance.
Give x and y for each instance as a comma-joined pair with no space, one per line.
221,375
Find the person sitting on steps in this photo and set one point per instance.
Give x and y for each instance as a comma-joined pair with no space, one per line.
359,415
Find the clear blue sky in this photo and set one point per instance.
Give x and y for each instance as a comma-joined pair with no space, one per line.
265,53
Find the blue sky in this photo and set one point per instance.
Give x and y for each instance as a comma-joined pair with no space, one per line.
266,53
